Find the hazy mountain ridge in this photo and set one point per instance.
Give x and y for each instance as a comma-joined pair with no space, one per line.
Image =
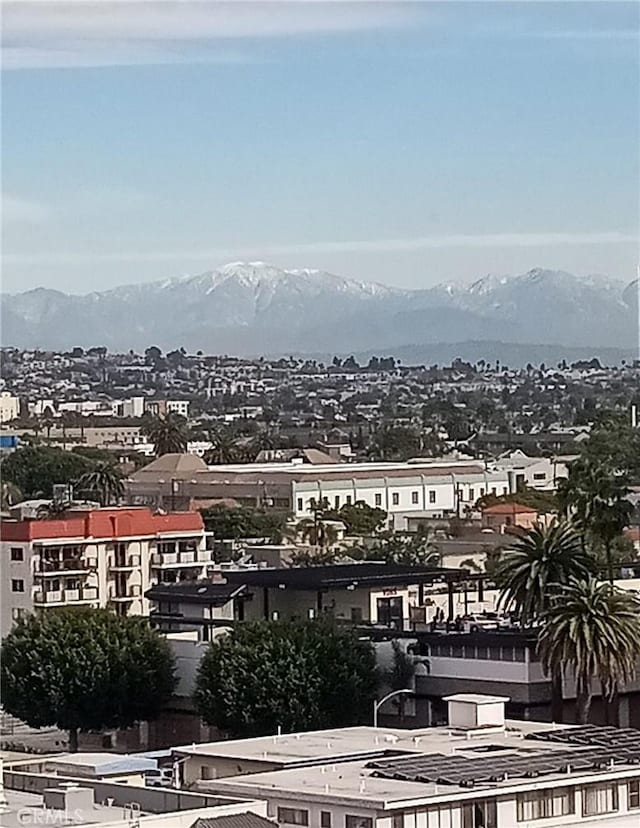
257,308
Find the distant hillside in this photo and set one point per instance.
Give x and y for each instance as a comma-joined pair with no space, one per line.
255,308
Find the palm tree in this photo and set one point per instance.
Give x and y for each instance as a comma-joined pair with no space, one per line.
104,482
225,449
10,494
541,561
317,532
594,629
168,434
597,496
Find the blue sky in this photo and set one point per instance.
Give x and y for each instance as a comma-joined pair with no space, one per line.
407,143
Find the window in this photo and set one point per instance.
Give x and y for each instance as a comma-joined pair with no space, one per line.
493,490
414,497
337,501
472,495
17,553
293,816
634,794
539,476
17,585
205,772
351,821
325,819
398,821
300,505
395,499
378,499
432,495
17,613
356,615
479,814
599,799
348,500
550,802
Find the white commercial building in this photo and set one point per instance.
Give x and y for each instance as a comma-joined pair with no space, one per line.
9,407
478,772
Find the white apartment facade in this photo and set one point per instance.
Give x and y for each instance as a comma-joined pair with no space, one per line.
98,558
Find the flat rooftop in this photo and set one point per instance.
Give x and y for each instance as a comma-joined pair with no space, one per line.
334,745
29,809
446,765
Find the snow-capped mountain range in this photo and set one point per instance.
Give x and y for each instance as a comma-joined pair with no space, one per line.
254,308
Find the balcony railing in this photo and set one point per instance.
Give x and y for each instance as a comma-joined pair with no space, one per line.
65,566
126,562
65,596
199,557
133,591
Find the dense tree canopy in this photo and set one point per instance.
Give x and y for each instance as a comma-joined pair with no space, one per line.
237,522
84,669
359,518
35,470
295,675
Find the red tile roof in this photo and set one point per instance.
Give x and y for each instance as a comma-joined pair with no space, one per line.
509,509
103,523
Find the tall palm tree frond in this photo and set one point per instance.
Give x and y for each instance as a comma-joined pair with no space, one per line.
594,629
541,560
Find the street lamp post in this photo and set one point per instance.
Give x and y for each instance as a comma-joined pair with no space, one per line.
378,704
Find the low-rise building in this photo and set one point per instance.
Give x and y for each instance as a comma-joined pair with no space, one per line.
481,771
419,488
363,593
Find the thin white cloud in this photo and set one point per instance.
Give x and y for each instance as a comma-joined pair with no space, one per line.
586,34
452,241
23,211
60,33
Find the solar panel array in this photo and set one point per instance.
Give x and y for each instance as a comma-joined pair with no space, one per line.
590,736
596,748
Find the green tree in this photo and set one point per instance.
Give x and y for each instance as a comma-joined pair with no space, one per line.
168,433
84,669
35,470
593,629
394,443
541,561
597,496
237,522
104,482
361,519
416,549
294,675
225,448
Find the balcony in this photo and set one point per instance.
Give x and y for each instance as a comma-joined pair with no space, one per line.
124,563
199,558
128,594
66,566
53,597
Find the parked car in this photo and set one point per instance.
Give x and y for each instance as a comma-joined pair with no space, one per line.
485,621
160,778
